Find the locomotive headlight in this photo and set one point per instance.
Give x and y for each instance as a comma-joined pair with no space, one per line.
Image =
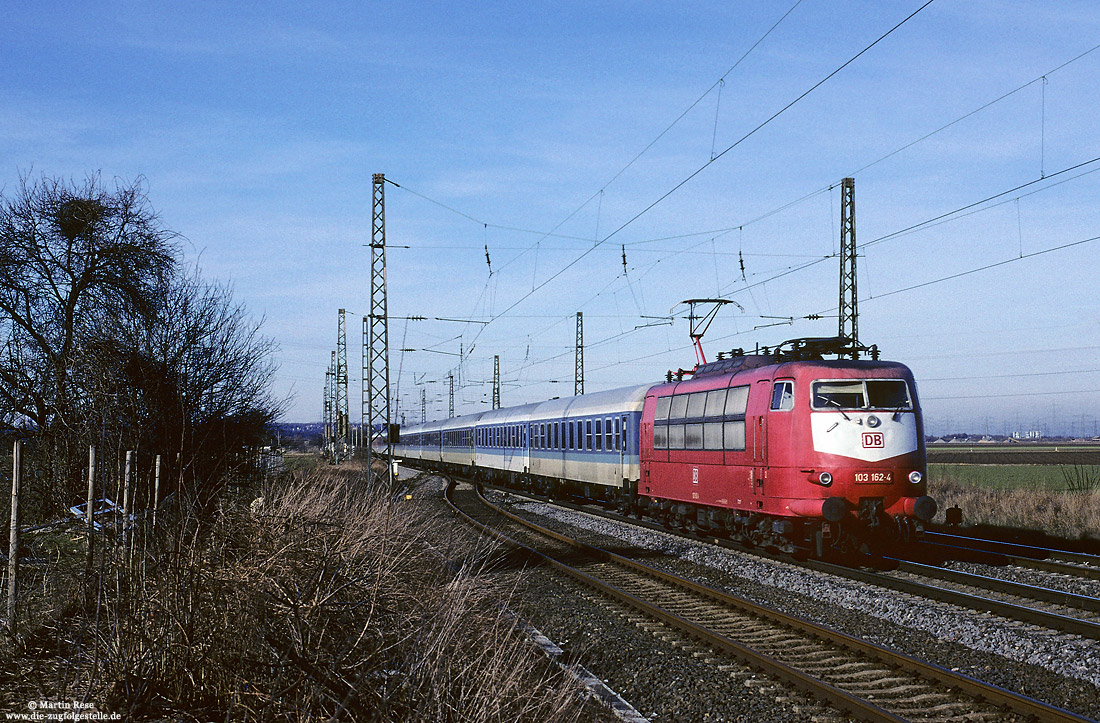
915,477
873,421
825,479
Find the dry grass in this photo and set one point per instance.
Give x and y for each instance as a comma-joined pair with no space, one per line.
1071,515
326,603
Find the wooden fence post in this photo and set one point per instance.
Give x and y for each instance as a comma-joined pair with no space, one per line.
156,492
89,513
89,517
13,540
126,500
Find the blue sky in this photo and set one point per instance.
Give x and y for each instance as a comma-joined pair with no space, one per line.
257,127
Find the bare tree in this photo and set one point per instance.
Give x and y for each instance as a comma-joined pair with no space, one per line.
192,379
65,250
107,340
69,253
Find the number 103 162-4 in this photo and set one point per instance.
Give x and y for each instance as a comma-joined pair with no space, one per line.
874,477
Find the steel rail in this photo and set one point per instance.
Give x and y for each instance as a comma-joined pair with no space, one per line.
844,701
1040,558
997,696
996,584
1000,559
1077,626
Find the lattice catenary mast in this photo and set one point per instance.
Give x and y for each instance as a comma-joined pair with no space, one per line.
849,314
326,409
342,381
496,381
377,372
578,373
451,405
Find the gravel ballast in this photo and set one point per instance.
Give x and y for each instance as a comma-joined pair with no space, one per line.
1061,669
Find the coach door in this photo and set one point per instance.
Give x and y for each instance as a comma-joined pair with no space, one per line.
758,406
620,445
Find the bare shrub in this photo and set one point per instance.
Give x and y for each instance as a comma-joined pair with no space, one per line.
1056,513
1081,477
324,601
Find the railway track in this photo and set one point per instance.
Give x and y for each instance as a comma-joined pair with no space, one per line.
994,552
856,677
1032,604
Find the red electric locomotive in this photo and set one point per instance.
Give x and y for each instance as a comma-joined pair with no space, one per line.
788,450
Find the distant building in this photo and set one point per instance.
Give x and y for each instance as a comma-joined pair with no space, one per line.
1033,434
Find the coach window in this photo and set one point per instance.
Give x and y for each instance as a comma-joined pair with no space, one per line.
557,435
716,403
663,403
693,436
735,435
675,436
660,436
712,435
737,401
618,445
696,402
599,434
588,434
783,396
607,443
678,410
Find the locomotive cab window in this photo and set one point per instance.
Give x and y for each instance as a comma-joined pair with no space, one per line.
783,396
888,394
862,394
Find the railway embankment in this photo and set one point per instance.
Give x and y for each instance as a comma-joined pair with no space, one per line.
311,599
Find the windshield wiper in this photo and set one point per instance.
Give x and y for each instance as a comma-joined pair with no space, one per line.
836,404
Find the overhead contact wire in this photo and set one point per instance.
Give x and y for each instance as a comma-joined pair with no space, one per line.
720,155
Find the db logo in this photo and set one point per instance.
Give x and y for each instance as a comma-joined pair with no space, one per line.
873,440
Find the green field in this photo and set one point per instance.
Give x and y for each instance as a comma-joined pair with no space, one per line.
1047,477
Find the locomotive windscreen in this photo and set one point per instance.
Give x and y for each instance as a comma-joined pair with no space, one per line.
862,394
